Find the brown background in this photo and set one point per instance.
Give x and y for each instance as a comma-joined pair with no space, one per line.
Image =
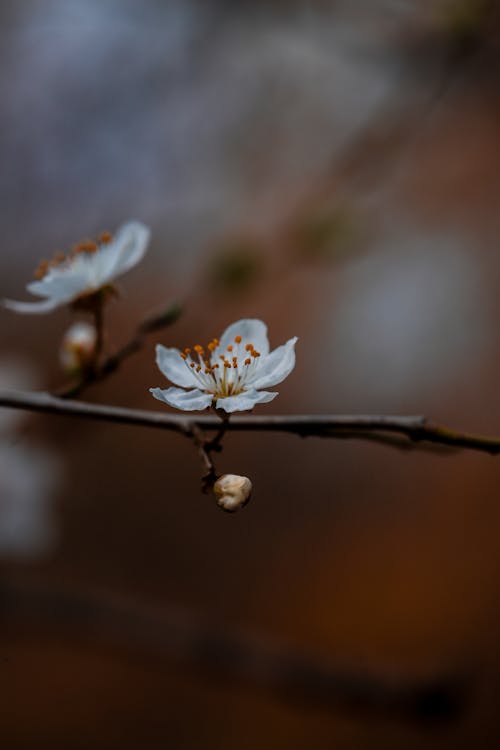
333,169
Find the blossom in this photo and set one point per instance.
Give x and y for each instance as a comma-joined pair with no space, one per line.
229,374
78,347
232,492
87,269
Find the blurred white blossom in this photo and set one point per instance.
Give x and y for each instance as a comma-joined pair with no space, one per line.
29,477
78,347
87,269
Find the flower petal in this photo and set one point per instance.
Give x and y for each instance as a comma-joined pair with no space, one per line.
61,284
124,251
245,400
276,366
174,368
251,331
36,308
194,400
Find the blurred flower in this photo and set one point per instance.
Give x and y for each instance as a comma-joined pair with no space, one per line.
19,374
28,478
230,373
78,347
232,491
89,268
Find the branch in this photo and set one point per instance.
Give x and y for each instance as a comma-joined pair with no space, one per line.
412,428
149,325
186,640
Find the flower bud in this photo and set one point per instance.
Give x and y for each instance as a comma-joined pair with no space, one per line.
78,347
232,492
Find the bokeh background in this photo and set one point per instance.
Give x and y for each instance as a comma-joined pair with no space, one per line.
331,167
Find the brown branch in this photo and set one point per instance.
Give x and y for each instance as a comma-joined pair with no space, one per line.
184,639
416,429
149,325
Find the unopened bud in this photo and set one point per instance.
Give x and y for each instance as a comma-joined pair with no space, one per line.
232,492
78,347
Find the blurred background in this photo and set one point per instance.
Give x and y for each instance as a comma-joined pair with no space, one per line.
331,167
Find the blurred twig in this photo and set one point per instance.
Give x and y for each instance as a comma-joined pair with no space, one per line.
149,325
415,428
189,642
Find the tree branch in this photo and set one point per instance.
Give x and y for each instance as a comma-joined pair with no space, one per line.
185,639
151,324
415,429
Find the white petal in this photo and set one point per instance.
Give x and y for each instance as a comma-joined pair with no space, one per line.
174,368
61,284
36,308
245,400
194,400
251,331
124,251
276,366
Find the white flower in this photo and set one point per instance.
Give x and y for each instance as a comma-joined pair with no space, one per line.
87,269
230,374
78,347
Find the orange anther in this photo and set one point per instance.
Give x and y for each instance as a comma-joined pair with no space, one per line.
184,356
237,339
248,361
105,237
230,348
249,347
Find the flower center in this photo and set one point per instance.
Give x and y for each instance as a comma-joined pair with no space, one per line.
88,247
222,371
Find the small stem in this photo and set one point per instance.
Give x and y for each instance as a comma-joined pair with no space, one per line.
204,449
149,325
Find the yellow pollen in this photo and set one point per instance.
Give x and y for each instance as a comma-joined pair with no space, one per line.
42,269
211,346
237,339
198,349
58,258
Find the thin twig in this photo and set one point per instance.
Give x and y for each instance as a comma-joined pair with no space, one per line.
414,428
149,325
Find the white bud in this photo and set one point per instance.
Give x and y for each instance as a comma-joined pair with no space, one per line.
232,491
78,347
